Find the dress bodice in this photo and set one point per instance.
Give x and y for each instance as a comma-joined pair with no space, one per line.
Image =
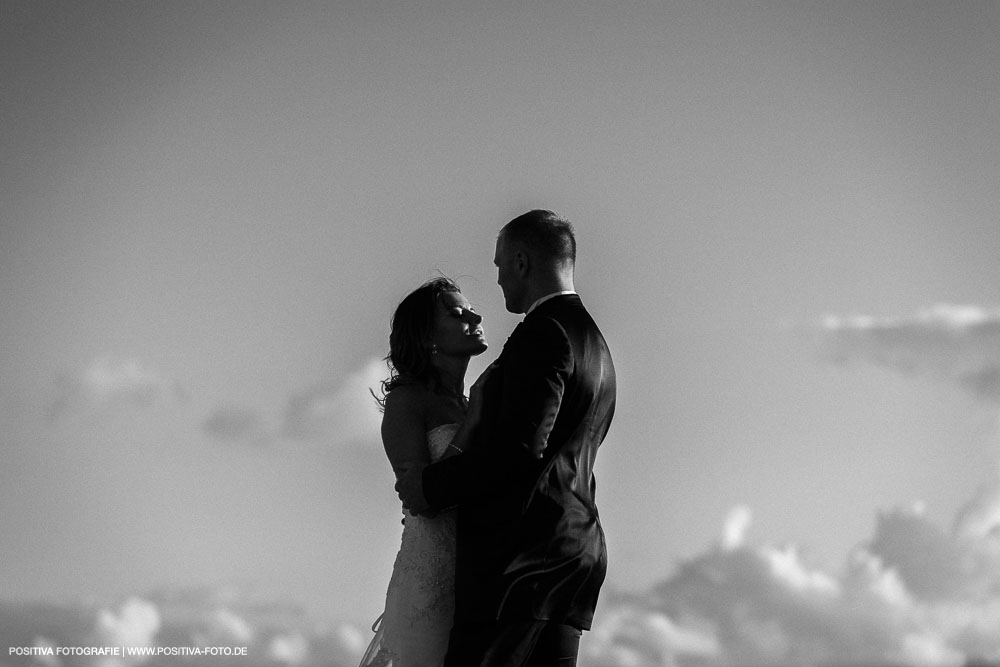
438,439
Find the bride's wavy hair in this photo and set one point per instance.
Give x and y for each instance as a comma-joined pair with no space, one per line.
409,358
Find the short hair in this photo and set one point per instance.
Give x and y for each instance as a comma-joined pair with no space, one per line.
544,232
409,358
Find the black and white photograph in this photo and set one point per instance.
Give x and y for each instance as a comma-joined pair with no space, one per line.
551,333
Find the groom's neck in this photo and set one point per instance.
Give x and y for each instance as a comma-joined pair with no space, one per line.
556,282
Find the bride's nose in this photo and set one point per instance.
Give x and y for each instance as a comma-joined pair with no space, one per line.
473,317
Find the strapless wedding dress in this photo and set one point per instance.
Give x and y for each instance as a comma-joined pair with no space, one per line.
420,601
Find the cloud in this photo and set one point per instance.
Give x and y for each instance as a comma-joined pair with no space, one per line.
135,624
223,626
110,384
236,424
332,413
736,526
42,624
980,517
929,562
957,343
289,649
636,636
914,594
338,412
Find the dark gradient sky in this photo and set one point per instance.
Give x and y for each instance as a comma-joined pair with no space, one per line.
209,210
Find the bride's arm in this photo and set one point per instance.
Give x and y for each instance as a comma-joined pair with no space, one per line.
461,439
404,436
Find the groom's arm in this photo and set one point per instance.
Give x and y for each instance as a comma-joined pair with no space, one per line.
537,362
533,391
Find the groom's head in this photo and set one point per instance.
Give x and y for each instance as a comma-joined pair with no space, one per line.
535,256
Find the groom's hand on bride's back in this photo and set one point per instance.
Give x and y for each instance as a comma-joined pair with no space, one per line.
410,488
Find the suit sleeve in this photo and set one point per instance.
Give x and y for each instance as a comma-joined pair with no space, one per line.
511,446
533,387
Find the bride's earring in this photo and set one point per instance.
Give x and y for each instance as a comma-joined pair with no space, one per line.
434,348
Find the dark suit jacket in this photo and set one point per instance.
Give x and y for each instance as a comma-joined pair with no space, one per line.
530,543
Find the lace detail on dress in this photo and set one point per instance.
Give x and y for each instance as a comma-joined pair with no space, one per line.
420,601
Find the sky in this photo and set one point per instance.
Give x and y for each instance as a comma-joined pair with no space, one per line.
786,216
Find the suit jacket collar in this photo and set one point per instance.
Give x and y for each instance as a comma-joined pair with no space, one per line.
553,301
547,297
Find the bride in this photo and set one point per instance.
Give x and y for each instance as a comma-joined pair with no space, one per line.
426,417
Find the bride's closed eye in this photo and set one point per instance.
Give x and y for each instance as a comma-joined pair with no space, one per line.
464,313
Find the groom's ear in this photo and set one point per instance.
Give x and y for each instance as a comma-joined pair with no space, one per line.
521,262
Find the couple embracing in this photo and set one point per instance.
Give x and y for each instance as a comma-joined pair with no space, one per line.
502,554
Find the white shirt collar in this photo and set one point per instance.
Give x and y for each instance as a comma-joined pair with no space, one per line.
545,298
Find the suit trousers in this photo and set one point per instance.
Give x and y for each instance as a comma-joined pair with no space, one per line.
515,644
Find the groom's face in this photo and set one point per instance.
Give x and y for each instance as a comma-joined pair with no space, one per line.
508,277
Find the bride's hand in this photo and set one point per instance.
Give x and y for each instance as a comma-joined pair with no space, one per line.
410,488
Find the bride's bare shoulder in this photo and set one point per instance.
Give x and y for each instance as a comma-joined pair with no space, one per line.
406,396
405,406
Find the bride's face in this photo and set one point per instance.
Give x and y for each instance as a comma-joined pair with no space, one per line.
458,328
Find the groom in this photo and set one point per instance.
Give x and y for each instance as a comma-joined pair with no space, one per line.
530,551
